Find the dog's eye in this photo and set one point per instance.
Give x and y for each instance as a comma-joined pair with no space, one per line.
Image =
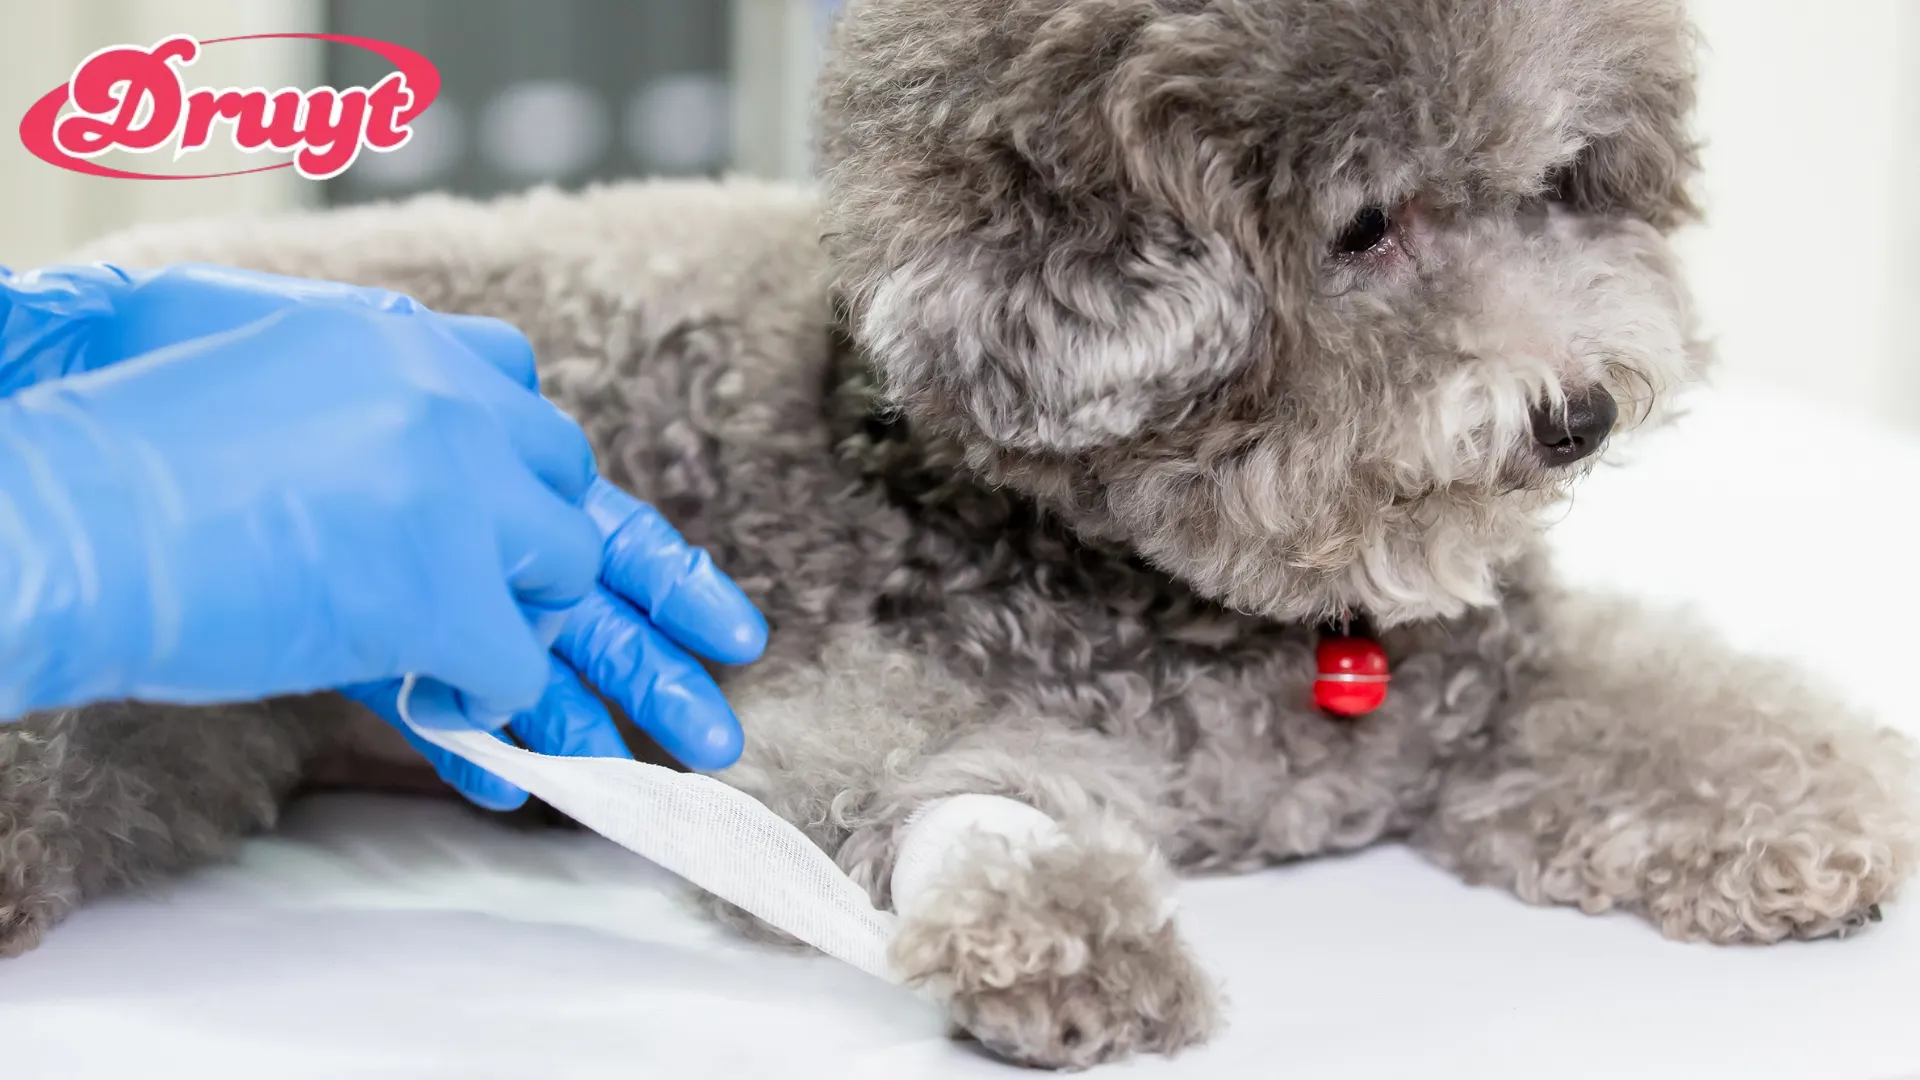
1366,231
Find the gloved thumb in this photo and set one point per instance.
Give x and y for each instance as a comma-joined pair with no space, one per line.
436,705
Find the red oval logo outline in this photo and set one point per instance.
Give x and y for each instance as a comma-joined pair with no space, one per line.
36,127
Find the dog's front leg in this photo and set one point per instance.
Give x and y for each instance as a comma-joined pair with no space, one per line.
1055,947
1639,764
1051,942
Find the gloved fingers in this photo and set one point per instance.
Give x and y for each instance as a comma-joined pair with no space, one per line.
569,721
662,688
437,705
497,342
648,564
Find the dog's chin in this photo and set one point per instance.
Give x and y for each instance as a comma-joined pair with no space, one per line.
1390,552
1437,556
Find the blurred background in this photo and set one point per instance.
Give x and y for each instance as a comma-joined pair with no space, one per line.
1808,270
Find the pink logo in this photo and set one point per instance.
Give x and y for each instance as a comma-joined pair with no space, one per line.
136,100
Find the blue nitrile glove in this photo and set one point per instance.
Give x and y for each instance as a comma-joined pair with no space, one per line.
53,323
320,497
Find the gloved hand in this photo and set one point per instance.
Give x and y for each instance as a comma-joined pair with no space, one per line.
280,559
322,496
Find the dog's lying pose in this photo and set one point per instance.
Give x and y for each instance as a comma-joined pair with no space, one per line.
1130,345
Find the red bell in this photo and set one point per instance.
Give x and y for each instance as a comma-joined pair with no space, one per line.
1352,679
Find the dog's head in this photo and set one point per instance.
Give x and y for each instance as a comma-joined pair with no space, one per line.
1316,304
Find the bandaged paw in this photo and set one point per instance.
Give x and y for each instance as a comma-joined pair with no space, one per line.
939,832
939,835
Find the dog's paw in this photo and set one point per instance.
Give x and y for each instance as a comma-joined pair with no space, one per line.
1064,958
1804,884
1143,995
1711,876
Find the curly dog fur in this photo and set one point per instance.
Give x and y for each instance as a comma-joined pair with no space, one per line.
1126,344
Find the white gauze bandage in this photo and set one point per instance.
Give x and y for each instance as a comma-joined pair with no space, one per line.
714,836
939,831
724,841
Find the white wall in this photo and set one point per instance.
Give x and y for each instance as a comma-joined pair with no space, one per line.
1808,270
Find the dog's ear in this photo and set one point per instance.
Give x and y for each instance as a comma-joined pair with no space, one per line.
1016,266
1054,340
1642,156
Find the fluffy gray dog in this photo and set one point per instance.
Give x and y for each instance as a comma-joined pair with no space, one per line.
1147,339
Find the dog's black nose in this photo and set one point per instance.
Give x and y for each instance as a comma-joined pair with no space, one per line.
1564,438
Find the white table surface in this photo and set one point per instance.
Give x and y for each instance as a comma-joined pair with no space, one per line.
392,938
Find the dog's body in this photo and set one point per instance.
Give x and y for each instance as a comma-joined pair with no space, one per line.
1048,467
